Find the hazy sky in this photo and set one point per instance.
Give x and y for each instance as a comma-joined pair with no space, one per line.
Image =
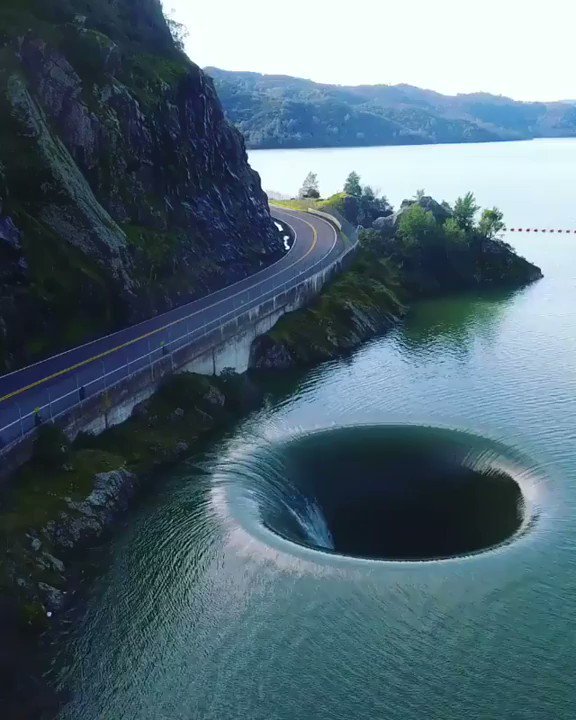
521,48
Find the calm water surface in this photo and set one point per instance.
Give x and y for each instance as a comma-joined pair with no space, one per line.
200,614
532,182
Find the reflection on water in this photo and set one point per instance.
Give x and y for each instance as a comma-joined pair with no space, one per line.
455,323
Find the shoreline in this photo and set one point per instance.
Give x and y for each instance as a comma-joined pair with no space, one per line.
412,145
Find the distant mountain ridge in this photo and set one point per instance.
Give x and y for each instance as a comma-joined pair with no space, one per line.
279,111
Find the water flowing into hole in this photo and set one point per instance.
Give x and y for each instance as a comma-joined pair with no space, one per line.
313,524
389,492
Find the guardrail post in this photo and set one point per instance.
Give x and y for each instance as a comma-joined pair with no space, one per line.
21,421
150,360
50,406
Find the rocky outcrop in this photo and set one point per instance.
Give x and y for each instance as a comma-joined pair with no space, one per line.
270,353
387,225
85,521
397,264
123,190
65,501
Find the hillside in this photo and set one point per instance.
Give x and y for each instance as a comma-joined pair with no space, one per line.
274,111
123,190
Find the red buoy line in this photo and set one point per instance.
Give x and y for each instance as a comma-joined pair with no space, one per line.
542,230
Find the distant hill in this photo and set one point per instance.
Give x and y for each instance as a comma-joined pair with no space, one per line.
277,111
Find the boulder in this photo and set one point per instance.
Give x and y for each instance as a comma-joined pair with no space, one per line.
441,211
88,520
386,225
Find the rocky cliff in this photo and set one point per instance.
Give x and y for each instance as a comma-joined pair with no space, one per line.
123,190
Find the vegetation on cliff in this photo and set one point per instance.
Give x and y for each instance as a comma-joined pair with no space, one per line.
276,111
424,249
123,190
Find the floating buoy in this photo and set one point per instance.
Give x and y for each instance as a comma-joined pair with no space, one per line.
542,230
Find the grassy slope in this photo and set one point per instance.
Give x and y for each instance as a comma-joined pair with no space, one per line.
335,202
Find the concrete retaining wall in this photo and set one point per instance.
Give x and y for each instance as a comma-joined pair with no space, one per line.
331,218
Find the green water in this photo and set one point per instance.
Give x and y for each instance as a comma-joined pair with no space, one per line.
199,613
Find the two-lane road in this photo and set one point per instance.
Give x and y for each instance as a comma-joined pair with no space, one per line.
57,383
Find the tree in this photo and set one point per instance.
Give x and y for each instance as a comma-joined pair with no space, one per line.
352,185
417,225
309,187
369,193
465,210
420,194
454,234
491,223
178,31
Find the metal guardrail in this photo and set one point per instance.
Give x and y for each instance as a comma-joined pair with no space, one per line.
25,426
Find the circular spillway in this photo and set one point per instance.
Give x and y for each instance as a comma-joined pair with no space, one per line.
396,493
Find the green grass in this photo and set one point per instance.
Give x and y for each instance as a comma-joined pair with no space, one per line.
335,202
295,204
39,495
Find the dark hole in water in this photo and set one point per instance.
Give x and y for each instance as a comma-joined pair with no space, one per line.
395,493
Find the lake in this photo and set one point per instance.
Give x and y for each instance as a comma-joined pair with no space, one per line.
532,181
205,608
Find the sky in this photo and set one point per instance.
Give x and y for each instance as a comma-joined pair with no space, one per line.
520,48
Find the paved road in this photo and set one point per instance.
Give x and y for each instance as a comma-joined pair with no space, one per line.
57,381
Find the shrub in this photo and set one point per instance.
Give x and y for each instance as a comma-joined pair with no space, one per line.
51,448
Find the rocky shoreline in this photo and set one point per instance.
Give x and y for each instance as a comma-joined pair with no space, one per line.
69,499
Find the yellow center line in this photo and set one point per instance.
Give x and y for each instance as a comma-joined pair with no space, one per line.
106,353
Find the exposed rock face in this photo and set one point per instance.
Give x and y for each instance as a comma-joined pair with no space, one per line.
86,521
388,224
441,211
123,190
268,353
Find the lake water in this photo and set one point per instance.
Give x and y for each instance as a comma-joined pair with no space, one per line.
203,612
532,182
